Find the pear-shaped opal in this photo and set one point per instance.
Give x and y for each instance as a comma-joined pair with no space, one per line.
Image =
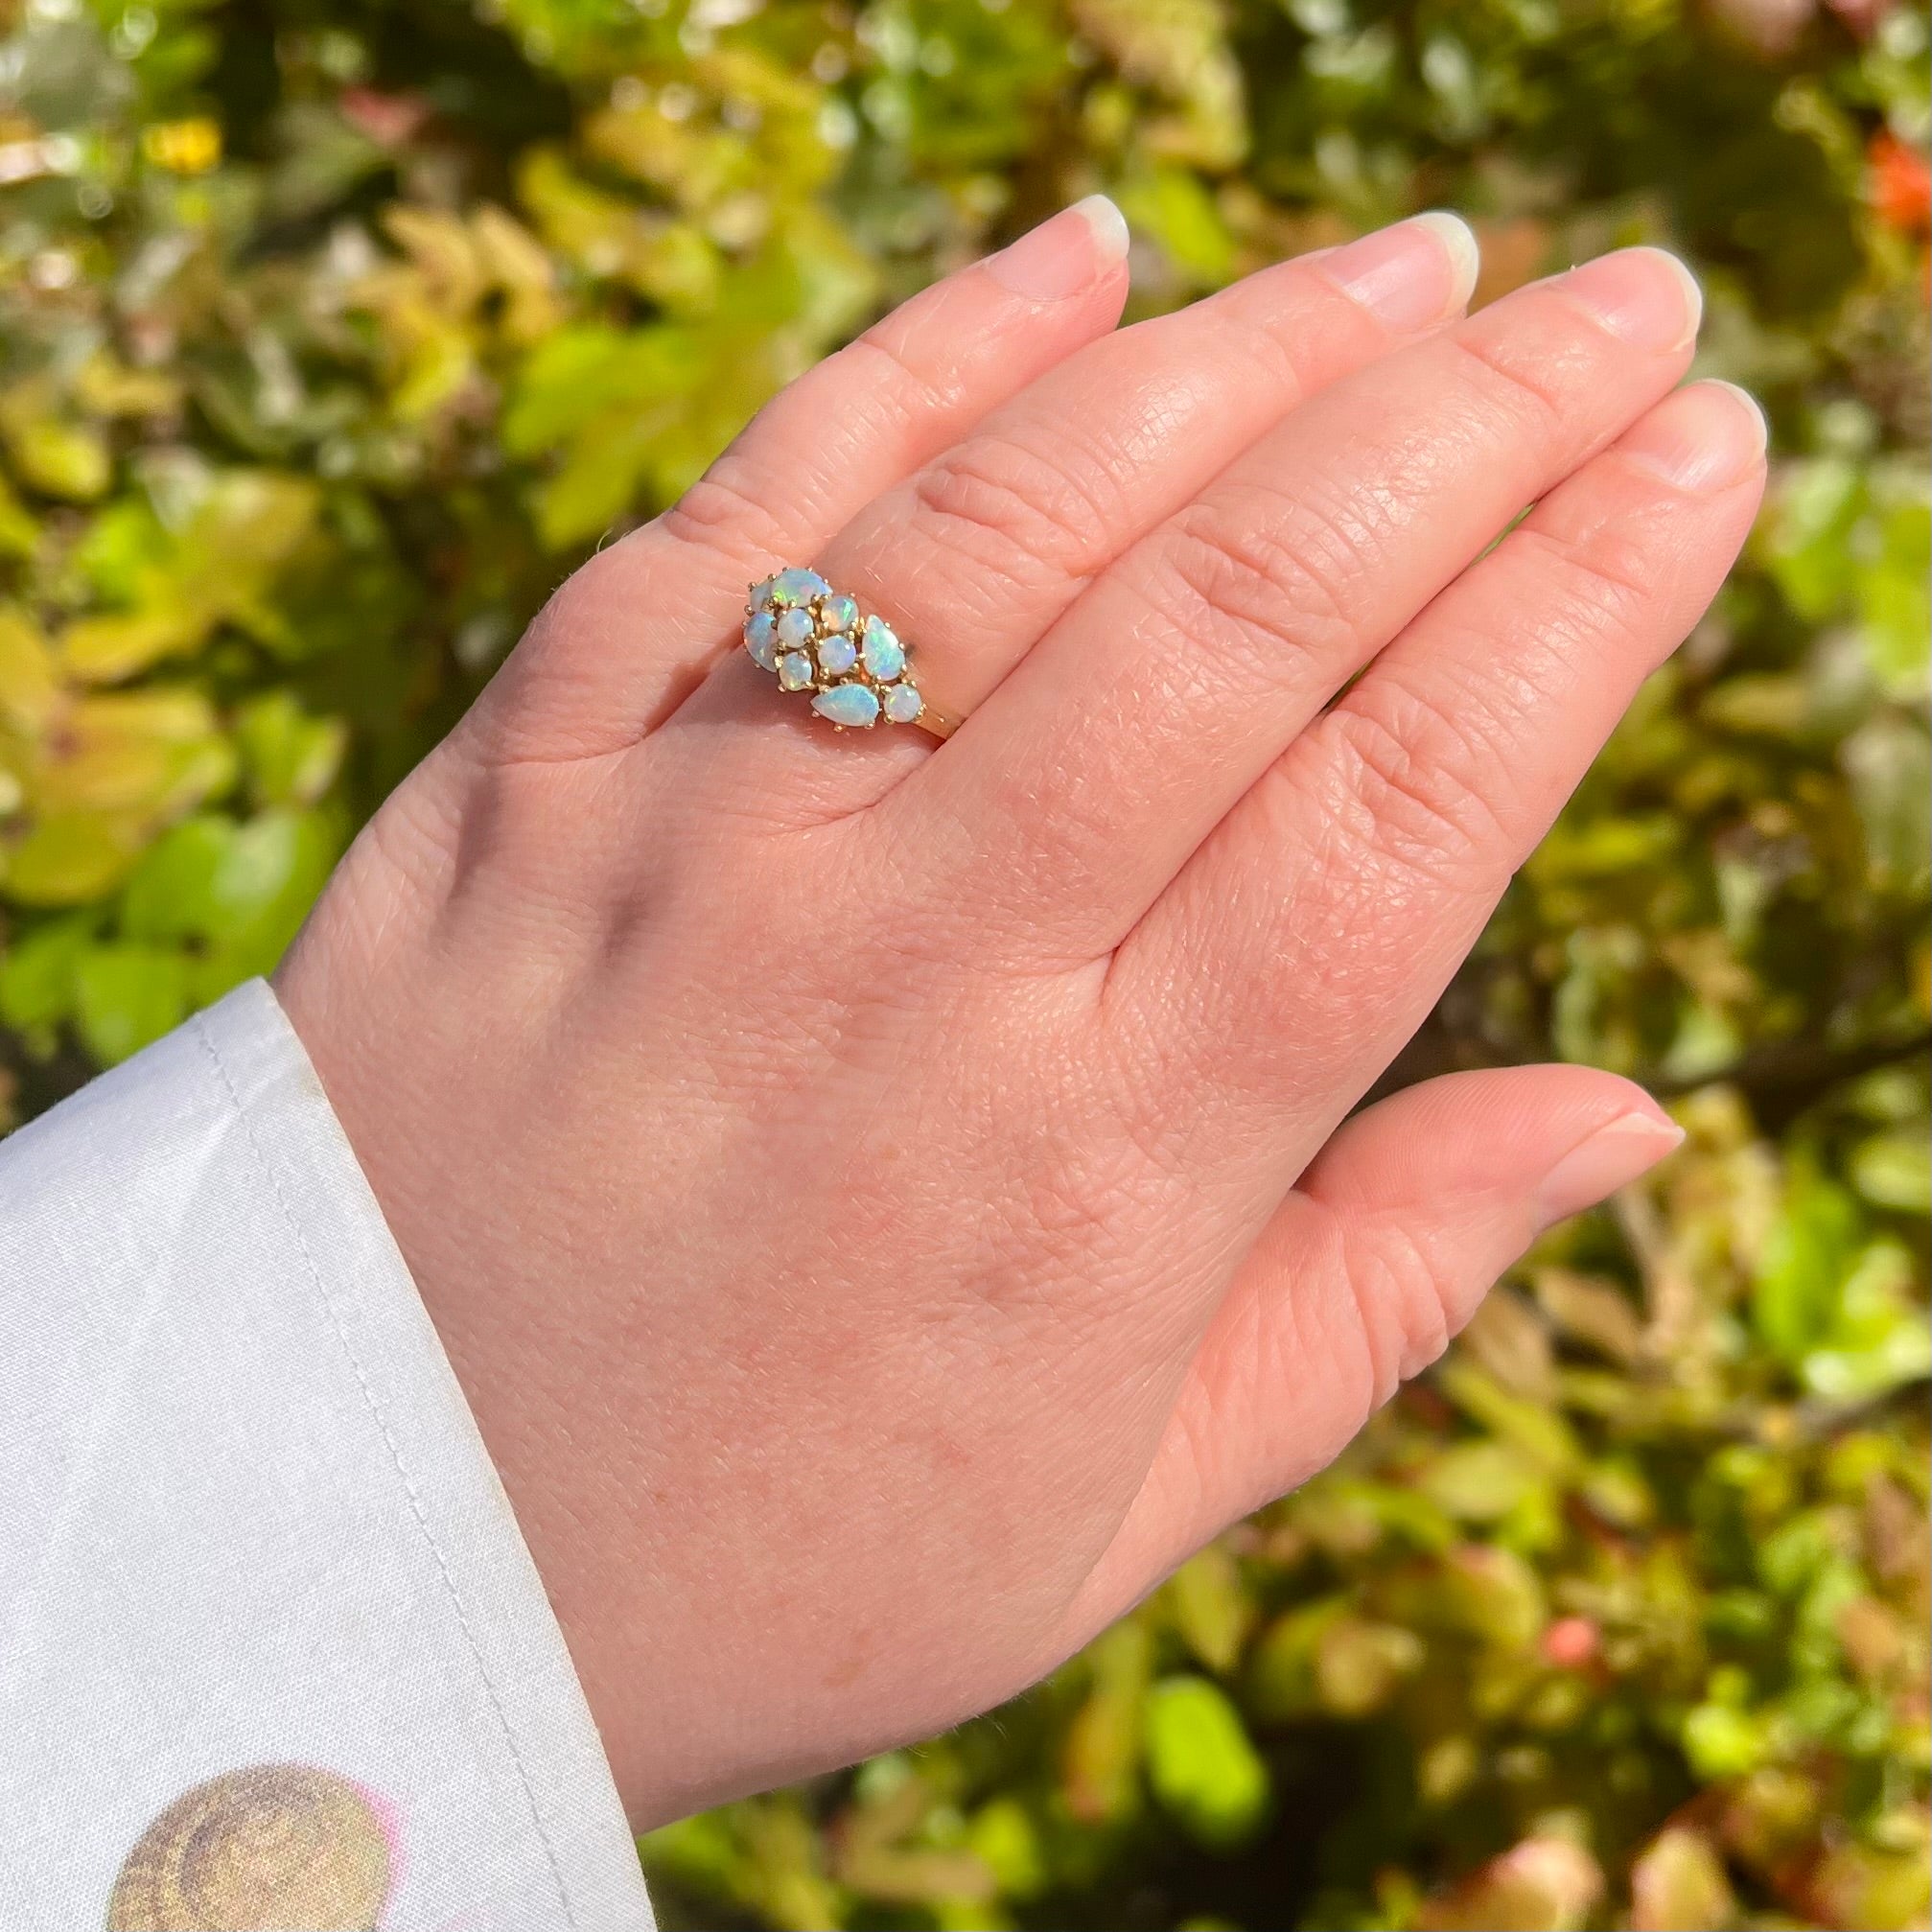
761,640
797,587
884,655
848,704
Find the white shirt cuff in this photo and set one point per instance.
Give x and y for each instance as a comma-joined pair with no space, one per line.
267,1622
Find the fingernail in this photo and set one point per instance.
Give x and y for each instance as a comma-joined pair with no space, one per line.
1066,253
1705,437
1610,1158
1645,295
1412,275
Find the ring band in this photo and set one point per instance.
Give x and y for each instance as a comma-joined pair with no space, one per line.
815,639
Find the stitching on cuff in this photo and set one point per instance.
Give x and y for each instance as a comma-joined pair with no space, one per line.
416,1509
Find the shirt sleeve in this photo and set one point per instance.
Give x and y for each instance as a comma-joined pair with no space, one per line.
272,1652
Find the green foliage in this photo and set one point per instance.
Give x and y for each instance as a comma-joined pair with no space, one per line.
331,336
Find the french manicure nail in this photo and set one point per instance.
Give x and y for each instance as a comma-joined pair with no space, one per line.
1412,275
1645,295
1609,1158
1703,438
1066,253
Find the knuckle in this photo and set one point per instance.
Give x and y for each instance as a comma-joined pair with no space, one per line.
1068,1221
1402,1297
553,642
1055,862
1279,349
1541,387
1423,779
718,514
879,362
1608,576
1277,343
1278,594
1345,946
1011,510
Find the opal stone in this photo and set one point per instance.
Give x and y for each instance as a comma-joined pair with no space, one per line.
762,594
795,628
761,640
837,654
839,612
848,704
904,705
885,656
794,671
797,587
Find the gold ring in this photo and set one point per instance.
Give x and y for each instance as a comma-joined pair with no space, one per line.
815,639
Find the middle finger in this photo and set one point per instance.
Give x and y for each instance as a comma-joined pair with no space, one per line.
1068,804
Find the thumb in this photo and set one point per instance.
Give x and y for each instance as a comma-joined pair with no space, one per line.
1374,1261
1489,1160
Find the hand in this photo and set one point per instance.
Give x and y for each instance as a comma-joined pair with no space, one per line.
889,1202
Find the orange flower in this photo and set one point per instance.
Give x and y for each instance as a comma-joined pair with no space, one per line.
1900,186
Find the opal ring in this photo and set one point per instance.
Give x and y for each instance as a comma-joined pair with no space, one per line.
814,638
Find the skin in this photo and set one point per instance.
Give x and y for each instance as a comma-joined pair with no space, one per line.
888,1203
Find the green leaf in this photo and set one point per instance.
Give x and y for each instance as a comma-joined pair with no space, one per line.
19,532
220,566
1003,1835
1808,1253
1102,1748
1894,1170
38,977
1358,1665
67,860
1203,1771
290,758
1174,208
172,893
1896,594
127,995
1878,1338
64,459
1889,763
1481,1482
1212,1609
1281,1682
1722,1741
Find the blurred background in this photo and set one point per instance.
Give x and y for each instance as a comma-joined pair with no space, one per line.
334,332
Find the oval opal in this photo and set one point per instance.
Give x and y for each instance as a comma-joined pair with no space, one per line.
795,628
762,594
885,656
838,612
797,587
837,654
904,705
794,671
848,704
761,640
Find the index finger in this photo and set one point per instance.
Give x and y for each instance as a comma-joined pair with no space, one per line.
635,629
